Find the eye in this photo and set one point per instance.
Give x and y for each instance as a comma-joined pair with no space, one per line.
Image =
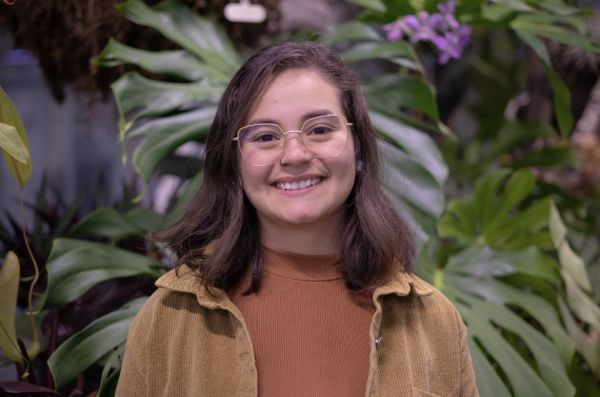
320,129
265,137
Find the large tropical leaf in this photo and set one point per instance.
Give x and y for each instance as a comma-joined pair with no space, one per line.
579,306
506,275
201,37
533,359
92,343
164,115
176,63
105,222
413,175
74,266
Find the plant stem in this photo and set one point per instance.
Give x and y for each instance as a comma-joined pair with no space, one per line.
35,346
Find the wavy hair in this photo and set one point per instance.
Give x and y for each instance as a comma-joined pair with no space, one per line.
374,241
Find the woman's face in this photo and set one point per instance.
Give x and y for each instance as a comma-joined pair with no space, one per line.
278,191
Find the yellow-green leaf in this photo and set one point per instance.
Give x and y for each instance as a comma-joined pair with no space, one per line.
12,144
10,117
9,285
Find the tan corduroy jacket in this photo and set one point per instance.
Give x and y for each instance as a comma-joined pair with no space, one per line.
185,342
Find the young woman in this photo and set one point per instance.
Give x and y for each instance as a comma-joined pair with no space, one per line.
294,275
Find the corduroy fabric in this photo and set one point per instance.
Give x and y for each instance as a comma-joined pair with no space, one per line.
186,342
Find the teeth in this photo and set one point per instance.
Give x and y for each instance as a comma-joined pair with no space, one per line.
297,185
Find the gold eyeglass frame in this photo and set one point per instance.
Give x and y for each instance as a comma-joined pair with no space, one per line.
285,134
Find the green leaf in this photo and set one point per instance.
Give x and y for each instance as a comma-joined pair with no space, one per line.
352,30
110,374
74,266
570,261
105,222
511,356
567,30
144,218
379,50
418,145
517,5
489,384
515,134
373,5
176,63
9,285
548,157
497,13
561,9
523,225
492,215
481,317
459,221
486,190
86,347
411,190
198,35
562,95
139,97
562,101
481,261
518,187
12,144
14,149
498,292
587,345
165,135
390,93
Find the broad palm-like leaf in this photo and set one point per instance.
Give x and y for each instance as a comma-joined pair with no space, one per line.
507,275
92,343
172,113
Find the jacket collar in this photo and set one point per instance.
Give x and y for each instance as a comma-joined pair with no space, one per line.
404,284
186,281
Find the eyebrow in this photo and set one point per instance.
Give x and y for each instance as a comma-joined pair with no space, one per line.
305,116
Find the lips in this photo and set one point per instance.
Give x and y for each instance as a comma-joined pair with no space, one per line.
297,185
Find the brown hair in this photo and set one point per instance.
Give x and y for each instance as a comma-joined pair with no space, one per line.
374,240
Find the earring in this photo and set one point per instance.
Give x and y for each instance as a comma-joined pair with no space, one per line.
359,165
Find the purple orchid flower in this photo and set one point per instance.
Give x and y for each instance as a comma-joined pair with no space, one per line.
452,44
447,14
442,29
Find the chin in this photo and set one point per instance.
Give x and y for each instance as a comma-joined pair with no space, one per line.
302,219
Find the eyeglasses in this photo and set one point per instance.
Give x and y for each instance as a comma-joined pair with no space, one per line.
324,136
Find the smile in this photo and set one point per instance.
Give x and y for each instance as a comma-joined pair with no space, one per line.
298,185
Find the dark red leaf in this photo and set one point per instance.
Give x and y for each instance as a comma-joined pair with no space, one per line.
24,388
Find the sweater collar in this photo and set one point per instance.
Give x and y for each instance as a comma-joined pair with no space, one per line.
185,280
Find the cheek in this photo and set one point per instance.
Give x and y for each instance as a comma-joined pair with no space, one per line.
253,181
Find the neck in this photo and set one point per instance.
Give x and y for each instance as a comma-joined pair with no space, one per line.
306,239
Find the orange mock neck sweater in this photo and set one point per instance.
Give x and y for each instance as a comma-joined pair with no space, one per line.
309,332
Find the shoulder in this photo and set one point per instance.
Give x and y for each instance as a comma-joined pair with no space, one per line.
412,298
160,308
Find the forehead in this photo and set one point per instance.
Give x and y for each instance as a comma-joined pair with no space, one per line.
296,92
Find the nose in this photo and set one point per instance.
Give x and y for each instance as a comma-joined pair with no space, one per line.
294,150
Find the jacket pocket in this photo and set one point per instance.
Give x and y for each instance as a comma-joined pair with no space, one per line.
416,392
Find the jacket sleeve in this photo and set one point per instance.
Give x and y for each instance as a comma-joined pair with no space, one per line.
468,385
132,380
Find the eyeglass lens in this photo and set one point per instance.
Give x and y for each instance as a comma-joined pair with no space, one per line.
324,136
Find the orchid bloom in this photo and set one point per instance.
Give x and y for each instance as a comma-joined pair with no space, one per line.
442,29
